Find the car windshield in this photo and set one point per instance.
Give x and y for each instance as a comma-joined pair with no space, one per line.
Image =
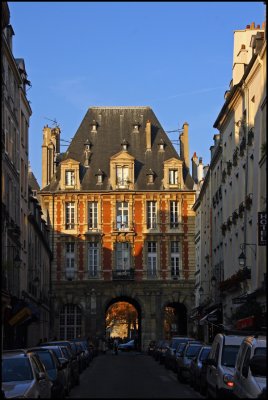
192,351
229,354
57,352
46,359
66,353
204,354
16,369
260,351
181,347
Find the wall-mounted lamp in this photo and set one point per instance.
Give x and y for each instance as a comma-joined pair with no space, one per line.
242,257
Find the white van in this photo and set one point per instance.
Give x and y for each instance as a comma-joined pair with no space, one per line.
250,368
220,365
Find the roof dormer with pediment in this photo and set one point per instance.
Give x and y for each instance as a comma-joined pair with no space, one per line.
122,139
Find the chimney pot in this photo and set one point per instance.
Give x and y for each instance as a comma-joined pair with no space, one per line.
252,26
248,27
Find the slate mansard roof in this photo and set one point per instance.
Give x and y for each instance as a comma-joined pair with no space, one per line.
114,126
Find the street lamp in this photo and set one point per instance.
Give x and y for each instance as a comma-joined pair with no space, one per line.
242,257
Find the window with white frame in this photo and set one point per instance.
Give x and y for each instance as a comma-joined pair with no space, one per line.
70,178
175,258
122,256
122,175
173,176
70,322
69,215
93,259
174,214
122,215
151,214
92,215
151,258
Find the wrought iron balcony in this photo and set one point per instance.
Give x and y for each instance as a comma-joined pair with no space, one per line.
123,274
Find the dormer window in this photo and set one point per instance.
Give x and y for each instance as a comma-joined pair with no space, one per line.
136,127
150,176
99,176
70,178
122,176
124,145
94,126
87,145
161,145
173,176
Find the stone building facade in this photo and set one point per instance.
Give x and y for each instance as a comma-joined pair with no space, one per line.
119,205
24,238
237,192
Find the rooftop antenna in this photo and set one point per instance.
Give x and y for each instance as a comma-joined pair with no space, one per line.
54,121
176,142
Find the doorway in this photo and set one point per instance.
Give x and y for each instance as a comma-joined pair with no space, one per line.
175,319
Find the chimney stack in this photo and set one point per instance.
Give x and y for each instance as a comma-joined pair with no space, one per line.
184,145
200,171
50,148
194,167
148,133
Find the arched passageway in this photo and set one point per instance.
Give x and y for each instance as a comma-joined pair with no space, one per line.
175,319
123,319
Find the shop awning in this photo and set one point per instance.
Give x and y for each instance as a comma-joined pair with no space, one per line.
245,322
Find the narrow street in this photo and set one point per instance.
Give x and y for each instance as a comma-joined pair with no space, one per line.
130,375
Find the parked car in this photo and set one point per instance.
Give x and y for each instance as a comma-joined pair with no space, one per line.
203,377
157,349
170,358
151,347
196,365
162,351
184,362
65,361
74,360
24,375
87,353
127,346
54,370
250,368
221,363
179,352
68,370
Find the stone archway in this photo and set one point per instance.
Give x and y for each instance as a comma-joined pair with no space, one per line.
133,319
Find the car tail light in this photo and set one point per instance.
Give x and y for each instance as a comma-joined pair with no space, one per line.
228,380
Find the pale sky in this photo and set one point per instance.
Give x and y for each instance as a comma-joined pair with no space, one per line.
175,57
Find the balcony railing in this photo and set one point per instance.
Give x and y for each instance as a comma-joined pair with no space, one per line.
123,227
123,274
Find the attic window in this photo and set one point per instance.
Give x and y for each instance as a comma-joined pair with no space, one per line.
94,126
99,176
161,145
124,145
87,145
150,176
136,127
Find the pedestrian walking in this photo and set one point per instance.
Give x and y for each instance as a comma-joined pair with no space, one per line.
115,346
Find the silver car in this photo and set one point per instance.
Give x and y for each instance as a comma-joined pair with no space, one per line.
24,375
184,362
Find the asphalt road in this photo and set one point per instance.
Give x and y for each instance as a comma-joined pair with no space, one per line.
130,375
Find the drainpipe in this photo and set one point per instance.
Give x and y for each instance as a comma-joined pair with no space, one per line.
51,314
